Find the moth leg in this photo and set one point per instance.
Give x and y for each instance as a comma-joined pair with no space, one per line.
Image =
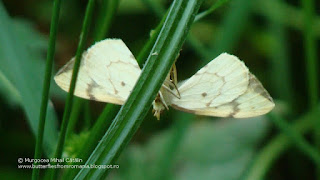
163,101
171,92
175,86
173,74
174,79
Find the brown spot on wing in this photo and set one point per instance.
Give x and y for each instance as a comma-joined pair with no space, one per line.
122,83
235,108
204,94
90,88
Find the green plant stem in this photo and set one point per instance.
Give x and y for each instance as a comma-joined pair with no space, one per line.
130,116
281,68
144,53
201,50
296,138
310,51
278,145
109,111
46,85
106,13
87,116
311,65
96,132
155,7
215,6
66,114
98,129
74,116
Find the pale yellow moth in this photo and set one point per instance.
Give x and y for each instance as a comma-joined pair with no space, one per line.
222,88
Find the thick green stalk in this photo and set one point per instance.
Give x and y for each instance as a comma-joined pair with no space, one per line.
277,146
46,85
130,116
66,114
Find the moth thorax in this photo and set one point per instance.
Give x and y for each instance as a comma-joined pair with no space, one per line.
158,105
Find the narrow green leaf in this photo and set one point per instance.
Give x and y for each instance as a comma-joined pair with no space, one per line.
215,6
67,111
46,85
107,10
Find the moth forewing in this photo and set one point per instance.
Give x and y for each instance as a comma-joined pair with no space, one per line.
107,73
224,88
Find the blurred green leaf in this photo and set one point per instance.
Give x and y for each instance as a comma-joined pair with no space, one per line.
36,43
281,12
209,150
32,39
23,69
12,174
13,98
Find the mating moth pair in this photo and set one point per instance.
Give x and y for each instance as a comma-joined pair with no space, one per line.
223,88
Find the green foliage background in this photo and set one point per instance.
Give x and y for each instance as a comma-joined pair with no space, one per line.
278,40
